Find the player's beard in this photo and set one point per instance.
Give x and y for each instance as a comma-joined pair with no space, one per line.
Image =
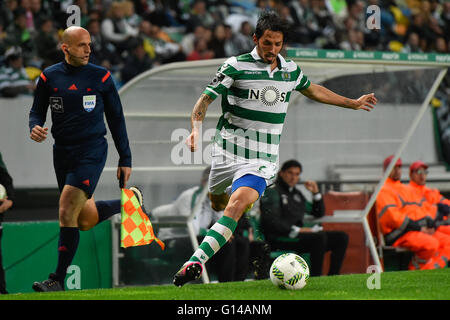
266,60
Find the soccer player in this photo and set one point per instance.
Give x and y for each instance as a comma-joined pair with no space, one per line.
79,95
255,89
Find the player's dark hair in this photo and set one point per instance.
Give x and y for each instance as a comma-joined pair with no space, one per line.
291,163
270,20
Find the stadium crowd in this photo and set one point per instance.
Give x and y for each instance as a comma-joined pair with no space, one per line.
129,37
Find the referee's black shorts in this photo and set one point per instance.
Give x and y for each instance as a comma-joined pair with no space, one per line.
80,166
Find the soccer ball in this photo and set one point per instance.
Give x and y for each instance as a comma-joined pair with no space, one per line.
2,192
289,271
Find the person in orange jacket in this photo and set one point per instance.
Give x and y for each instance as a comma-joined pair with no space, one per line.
405,224
435,203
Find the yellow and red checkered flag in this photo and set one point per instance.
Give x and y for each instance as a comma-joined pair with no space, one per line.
136,230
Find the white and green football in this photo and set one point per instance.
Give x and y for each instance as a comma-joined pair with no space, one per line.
289,271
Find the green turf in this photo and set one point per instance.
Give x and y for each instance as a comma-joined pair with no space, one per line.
402,285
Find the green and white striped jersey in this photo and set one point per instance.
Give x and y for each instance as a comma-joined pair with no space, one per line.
254,105
10,77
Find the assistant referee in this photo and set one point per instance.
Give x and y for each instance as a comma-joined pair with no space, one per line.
79,95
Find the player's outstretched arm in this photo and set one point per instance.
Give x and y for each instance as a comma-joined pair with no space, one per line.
321,94
197,117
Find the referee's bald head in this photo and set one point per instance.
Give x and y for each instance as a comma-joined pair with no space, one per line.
76,45
73,32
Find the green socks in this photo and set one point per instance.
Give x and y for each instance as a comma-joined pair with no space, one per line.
216,237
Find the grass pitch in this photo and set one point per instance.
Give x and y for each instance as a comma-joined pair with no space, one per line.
402,285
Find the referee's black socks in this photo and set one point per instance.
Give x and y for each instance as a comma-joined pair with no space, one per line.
69,238
107,209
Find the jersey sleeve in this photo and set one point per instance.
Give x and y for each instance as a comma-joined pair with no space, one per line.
38,112
302,82
222,81
116,120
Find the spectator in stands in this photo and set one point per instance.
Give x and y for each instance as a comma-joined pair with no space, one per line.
47,42
440,45
243,40
435,203
435,29
137,61
159,45
199,16
230,46
161,13
116,29
39,13
283,207
144,7
354,40
95,14
445,18
7,9
2,42
200,32
84,11
201,51
131,16
427,29
5,204
305,29
17,34
102,52
413,44
406,224
325,24
217,43
14,79
30,21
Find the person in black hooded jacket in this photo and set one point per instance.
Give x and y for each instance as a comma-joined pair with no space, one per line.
283,207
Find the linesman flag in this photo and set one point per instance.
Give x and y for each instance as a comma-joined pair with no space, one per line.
136,229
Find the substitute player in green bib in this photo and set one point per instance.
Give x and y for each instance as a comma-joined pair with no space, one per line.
256,88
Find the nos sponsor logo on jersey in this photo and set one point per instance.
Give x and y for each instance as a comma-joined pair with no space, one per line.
269,95
89,103
56,104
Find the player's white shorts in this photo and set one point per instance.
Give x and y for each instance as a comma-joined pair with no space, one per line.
225,170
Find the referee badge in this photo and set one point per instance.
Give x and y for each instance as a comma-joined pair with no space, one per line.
89,103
